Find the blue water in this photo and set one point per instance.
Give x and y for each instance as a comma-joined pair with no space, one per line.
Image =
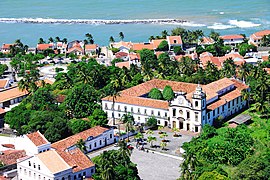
225,16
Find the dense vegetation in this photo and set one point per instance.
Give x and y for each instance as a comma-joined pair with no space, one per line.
116,165
230,153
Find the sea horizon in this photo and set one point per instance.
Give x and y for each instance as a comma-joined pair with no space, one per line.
65,18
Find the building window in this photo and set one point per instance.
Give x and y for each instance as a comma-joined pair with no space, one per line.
84,173
75,177
181,112
202,103
90,146
236,100
229,104
145,111
95,144
174,41
29,173
233,102
152,112
139,110
208,114
174,112
92,170
158,113
166,114
34,165
29,163
218,110
131,109
223,108
125,108
214,113
139,118
196,116
100,142
158,121
188,114
119,115
119,108
106,106
38,167
196,103
110,135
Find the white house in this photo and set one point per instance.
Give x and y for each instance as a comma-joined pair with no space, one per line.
61,160
232,39
174,41
256,38
192,108
11,96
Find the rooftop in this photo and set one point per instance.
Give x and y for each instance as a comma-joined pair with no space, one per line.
53,161
240,119
37,138
232,36
11,93
10,157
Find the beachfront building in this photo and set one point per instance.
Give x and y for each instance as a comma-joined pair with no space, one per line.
232,39
174,41
6,48
256,38
62,159
193,106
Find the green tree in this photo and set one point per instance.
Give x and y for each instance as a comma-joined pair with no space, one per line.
121,36
168,93
128,120
178,50
98,118
78,125
163,145
81,145
111,40
155,94
3,68
152,122
163,46
212,175
41,41
57,129
150,139
81,101
229,68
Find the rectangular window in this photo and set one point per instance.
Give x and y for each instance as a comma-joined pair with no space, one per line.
145,111
84,173
100,142
166,114
158,113
125,108
139,118
208,114
139,110
223,108
214,112
95,144
110,135
119,109
233,102
229,104
196,116
152,112
188,115
174,112
131,109
196,104
106,106
90,146
218,110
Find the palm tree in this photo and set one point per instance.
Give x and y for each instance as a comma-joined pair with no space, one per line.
189,165
57,39
111,40
163,136
160,128
229,68
246,96
65,40
151,38
121,36
150,139
124,151
81,145
164,34
115,87
50,39
41,41
128,120
163,145
90,38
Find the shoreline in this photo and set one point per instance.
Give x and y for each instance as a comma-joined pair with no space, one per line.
90,21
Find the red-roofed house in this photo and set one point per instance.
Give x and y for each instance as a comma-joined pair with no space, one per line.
4,83
6,48
122,55
174,41
63,159
206,41
91,49
256,38
192,108
140,46
232,39
42,47
11,96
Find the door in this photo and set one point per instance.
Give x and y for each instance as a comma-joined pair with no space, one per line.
181,125
174,124
166,123
187,127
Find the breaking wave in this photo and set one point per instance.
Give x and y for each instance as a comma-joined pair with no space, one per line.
220,26
90,21
243,24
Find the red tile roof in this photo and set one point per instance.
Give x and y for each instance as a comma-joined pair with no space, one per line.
260,34
174,40
42,47
156,42
140,46
232,36
123,64
11,146
10,157
91,46
121,54
37,138
11,93
72,140
6,46
207,40
3,83
134,56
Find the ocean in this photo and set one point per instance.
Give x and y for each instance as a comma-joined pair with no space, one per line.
54,16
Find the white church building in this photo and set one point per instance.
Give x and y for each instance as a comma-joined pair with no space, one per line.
193,106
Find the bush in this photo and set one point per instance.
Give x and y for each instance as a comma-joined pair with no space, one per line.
155,94
152,122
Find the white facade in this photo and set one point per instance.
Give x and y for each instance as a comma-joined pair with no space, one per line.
233,42
140,113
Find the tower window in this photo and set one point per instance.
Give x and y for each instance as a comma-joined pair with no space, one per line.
196,104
